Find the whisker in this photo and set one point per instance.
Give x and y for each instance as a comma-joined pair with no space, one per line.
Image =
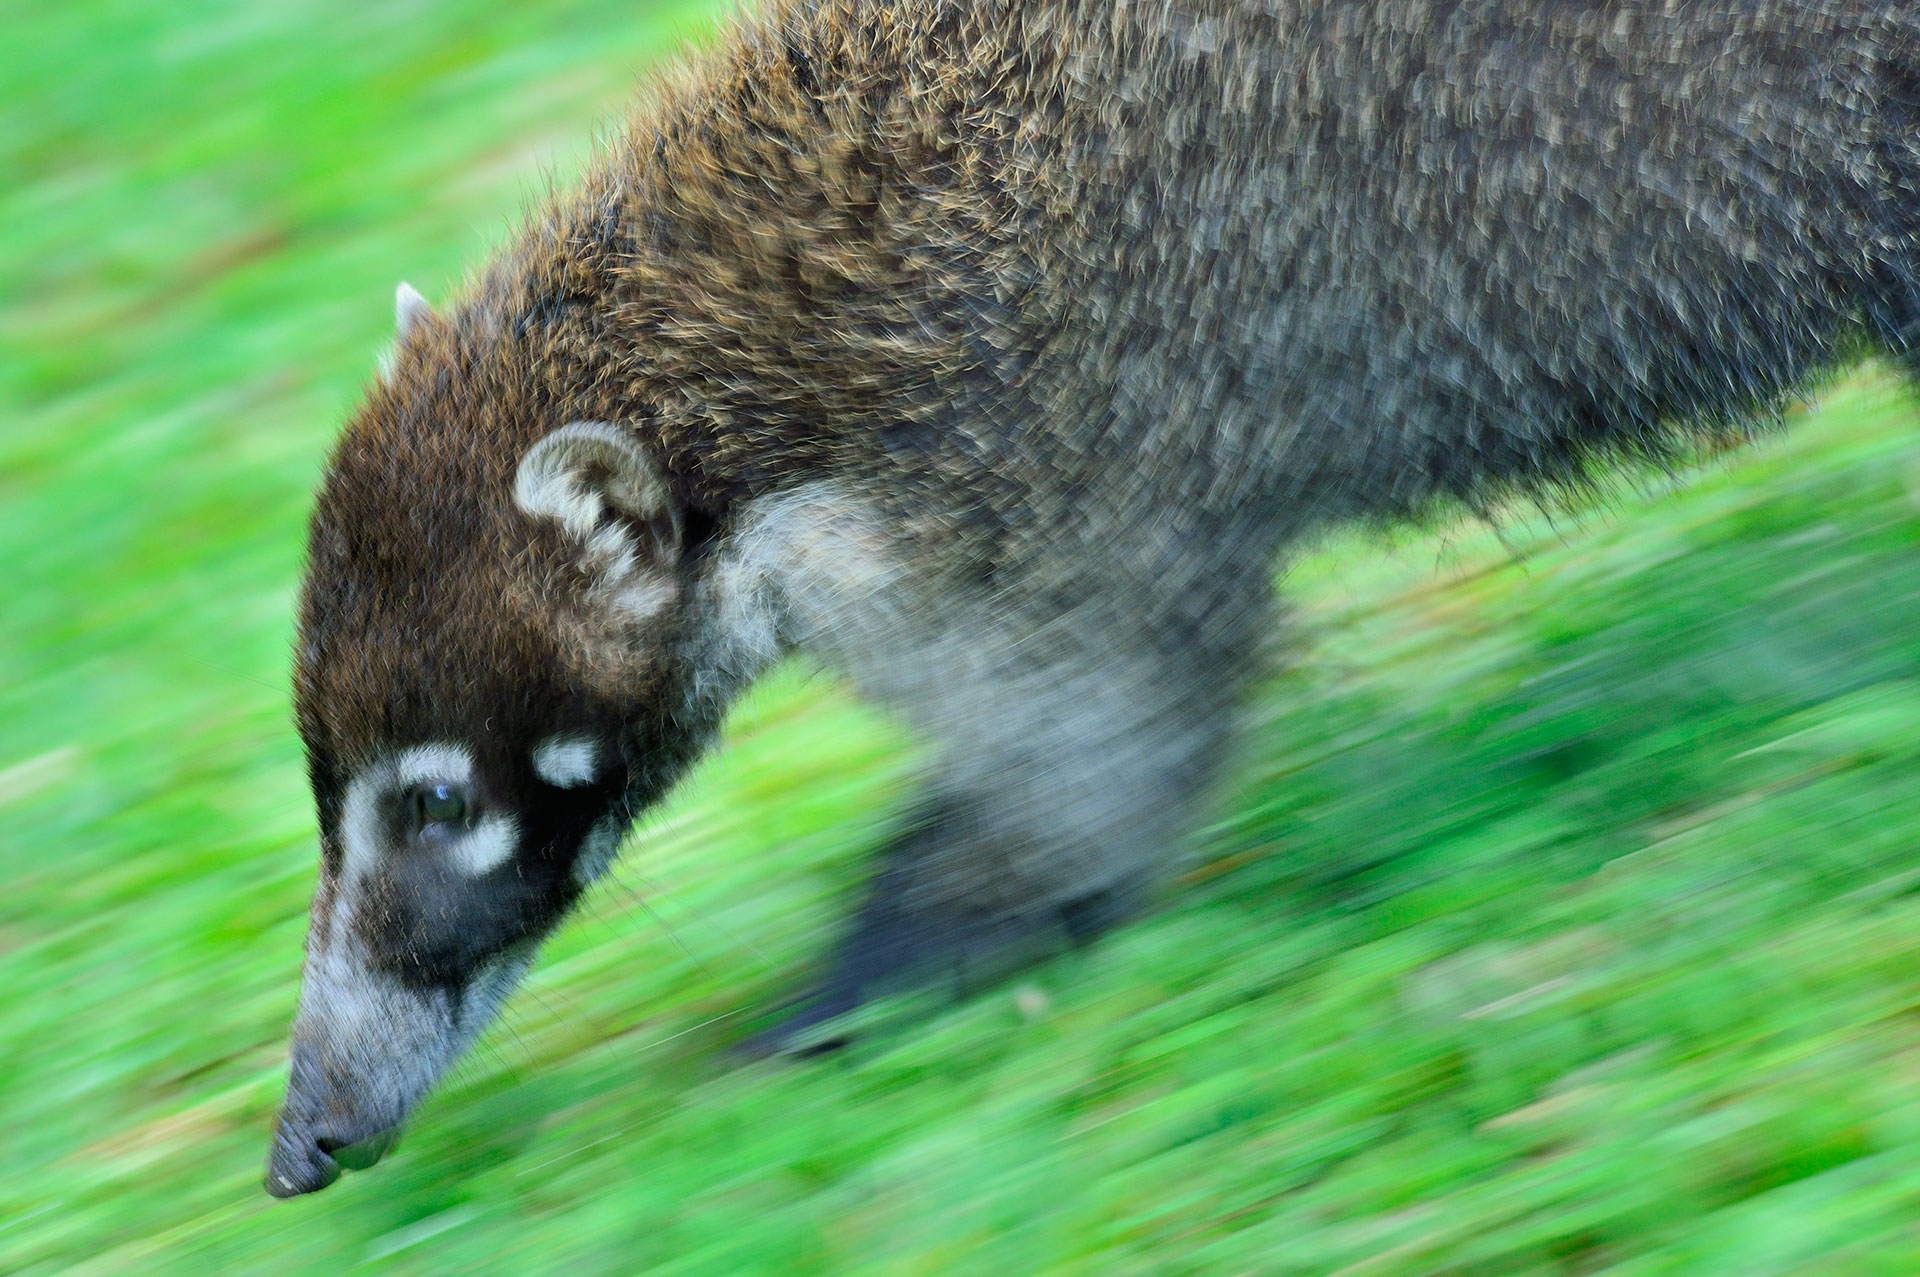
707,918
214,665
672,935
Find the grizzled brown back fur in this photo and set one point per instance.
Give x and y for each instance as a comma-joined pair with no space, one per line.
992,350
901,238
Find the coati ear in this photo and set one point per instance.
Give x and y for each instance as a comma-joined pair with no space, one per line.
409,308
601,487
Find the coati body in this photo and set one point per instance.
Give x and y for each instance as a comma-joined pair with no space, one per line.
994,352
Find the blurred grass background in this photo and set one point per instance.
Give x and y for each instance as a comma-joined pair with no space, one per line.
1561,916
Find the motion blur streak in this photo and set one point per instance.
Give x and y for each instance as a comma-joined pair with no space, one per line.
1552,914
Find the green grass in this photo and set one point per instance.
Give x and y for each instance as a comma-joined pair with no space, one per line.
1562,914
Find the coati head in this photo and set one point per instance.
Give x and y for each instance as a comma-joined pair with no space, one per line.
494,672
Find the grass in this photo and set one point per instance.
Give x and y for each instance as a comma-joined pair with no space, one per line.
1561,915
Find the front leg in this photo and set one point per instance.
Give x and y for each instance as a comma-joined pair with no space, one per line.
923,921
1062,788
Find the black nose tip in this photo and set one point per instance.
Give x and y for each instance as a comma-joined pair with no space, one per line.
298,1165
322,1130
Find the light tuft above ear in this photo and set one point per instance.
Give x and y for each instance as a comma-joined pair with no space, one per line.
409,308
601,487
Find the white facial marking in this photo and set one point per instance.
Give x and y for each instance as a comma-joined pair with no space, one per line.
597,850
360,824
484,847
567,762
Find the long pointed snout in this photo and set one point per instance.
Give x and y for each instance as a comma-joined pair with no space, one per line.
367,1047
353,1081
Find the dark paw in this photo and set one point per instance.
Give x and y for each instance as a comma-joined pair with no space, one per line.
807,1029
1093,915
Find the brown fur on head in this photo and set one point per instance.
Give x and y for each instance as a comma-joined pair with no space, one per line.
491,676
431,595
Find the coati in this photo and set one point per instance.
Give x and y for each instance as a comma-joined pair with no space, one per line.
995,352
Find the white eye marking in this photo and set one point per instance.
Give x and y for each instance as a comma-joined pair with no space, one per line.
567,762
484,847
360,823
432,762
597,851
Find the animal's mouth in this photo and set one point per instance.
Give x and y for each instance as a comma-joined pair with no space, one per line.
363,1154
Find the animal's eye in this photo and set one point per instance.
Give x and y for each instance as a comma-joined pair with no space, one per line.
436,804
